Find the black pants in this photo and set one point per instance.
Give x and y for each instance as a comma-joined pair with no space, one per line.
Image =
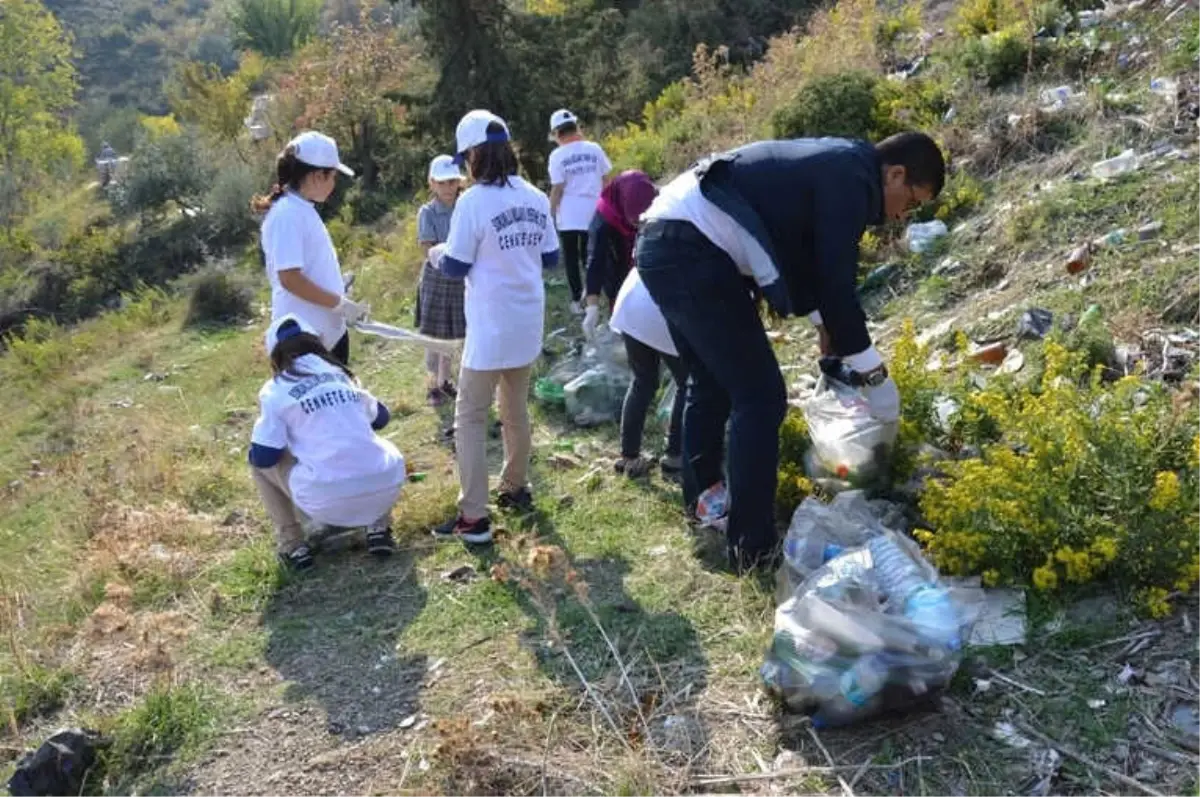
574,253
341,350
643,361
732,373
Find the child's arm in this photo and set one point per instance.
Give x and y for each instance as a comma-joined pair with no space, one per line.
268,441
294,281
426,235
556,195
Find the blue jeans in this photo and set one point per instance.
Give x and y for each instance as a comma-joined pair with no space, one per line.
732,374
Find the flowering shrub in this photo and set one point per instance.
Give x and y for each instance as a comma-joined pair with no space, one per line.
1074,482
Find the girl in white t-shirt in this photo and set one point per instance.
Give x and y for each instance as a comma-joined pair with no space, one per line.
314,452
501,238
302,265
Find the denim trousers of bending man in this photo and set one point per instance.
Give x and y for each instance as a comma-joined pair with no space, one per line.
732,374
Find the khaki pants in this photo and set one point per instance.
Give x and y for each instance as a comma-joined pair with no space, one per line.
475,392
272,484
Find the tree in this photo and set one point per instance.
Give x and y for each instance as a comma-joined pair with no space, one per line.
275,28
37,89
356,86
201,95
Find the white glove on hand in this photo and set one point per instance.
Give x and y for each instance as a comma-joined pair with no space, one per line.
435,255
884,401
351,312
591,320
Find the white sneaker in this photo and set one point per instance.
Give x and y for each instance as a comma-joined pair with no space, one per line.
575,308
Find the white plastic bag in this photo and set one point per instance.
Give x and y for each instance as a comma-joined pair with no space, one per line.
920,236
820,532
851,448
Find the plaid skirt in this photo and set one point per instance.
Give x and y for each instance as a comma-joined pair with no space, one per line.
440,305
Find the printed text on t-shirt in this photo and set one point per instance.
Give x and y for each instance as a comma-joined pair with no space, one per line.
522,239
331,398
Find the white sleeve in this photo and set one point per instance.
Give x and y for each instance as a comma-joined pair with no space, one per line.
370,404
550,237
270,430
557,177
605,163
283,242
463,241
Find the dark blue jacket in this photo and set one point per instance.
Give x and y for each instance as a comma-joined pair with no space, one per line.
807,202
607,260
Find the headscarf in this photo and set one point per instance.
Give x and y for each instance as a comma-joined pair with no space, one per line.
625,199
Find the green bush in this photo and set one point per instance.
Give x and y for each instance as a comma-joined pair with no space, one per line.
218,297
842,104
227,207
169,170
997,58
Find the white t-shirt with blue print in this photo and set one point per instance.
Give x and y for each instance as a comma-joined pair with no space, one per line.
345,474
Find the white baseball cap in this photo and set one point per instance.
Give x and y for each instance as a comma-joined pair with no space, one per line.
443,168
318,149
284,327
472,131
562,117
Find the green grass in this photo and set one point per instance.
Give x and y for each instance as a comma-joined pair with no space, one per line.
169,722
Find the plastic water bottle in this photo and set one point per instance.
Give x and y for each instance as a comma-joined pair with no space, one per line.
857,688
712,507
809,553
927,605
1124,163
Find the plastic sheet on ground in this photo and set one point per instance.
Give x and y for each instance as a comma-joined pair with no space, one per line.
871,629
851,448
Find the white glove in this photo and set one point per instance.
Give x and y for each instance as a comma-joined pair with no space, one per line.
884,401
435,254
351,311
591,320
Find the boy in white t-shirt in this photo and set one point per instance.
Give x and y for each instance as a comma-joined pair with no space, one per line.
314,452
578,172
302,265
501,239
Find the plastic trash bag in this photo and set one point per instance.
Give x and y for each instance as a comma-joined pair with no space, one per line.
921,235
596,395
872,629
820,532
851,449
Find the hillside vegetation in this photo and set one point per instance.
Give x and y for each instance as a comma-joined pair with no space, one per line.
599,646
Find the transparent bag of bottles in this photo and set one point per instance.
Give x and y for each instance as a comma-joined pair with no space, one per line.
873,628
851,449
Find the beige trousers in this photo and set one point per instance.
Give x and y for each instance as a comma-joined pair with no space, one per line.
272,484
475,392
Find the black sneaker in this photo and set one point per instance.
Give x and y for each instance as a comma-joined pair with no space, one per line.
520,500
449,389
298,559
380,542
475,532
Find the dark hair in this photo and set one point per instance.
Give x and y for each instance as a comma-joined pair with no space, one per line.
290,172
288,350
492,162
568,129
919,155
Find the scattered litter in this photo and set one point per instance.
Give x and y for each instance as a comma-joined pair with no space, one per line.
1001,620
1185,719
1035,324
1124,163
1007,733
712,507
121,403
59,766
944,410
949,116
1014,361
463,574
1166,88
871,629
947,267
423,765
880,276
153,377
851,448
1057,98
1046,762
408,722
983,685
988,354
1126,675
1114,238
678,735
937,331
1148,232
1079,259
921,236
819,532
1097,704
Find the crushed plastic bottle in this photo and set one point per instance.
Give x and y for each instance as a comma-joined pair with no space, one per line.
908,585
712,507
858,690
920,236
1124,163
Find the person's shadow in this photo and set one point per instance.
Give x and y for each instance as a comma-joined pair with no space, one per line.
640,671
333,633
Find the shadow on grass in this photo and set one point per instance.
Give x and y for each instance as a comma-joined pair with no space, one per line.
332,635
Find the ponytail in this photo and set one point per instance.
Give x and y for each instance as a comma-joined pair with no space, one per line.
290,172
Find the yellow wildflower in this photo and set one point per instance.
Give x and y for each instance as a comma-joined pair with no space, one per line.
1166,491
1044,578
1154,601
991,578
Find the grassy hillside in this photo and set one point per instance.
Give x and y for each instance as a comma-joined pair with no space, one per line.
599,647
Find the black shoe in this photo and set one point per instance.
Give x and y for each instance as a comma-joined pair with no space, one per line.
449,389
298,559
380,542
475,532
521,500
